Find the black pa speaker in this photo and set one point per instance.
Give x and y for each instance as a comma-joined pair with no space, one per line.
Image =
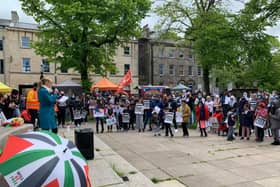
84,142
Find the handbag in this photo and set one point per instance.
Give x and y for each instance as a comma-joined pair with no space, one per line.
260,122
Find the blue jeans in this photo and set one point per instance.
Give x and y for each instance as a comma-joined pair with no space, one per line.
230,133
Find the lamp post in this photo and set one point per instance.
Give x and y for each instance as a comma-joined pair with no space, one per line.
41,71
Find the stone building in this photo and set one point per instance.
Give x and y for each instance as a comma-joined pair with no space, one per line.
166,63
20,66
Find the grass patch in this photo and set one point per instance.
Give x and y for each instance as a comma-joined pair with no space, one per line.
156,180
132,172
193,126
118,171
228,149
203,161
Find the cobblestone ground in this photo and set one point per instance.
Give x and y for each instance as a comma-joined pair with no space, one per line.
199,161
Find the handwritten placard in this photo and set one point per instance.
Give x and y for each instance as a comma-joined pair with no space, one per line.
125,117
179,117
169,117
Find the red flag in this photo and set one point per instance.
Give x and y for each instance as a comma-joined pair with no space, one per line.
127,79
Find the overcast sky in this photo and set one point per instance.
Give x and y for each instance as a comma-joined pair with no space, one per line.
9,5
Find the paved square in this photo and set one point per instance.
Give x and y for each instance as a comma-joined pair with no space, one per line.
199,161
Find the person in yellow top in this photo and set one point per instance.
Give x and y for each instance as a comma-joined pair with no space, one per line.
32,104
186,112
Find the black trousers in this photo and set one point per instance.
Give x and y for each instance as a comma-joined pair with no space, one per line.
97,124
260,133
71,113
61,115
185,129
174,121
168,129
34,114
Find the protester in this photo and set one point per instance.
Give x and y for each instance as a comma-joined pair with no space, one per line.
32,104
202,115
231,120
62,105
246,121
261,112
274,118
47,98
186,112
99,109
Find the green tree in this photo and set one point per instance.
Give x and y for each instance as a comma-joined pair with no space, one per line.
205,26
223,40
84,34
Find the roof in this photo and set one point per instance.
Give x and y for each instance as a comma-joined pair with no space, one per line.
20,25
104,84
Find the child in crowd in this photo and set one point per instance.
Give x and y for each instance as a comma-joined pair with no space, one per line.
231,123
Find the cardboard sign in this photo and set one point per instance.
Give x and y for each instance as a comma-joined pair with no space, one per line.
99,114
179,117
169,117
147,104
111,121
77,114
139,109
213,120
260,122
125,117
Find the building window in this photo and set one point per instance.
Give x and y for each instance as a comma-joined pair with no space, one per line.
46,65
171,53
1,66
171,70
181,55
161,52
199,71
181,70
25,42
190,72
126,68
161,69
1,45
26,65
63,69
126,50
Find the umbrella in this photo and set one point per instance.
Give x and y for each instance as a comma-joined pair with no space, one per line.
181,87
43,159
4,88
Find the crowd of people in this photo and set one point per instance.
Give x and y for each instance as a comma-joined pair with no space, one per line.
253,114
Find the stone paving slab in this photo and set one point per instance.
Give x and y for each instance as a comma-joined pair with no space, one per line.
107,165
197,161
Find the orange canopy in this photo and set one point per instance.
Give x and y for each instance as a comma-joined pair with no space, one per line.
104,84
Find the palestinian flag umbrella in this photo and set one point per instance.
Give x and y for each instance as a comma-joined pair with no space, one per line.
43,159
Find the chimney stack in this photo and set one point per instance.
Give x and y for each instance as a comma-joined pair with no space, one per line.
15,18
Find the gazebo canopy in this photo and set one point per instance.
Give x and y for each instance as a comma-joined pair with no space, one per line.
4,88
104,84
180,87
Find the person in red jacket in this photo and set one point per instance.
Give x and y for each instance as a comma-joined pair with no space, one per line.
202,115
